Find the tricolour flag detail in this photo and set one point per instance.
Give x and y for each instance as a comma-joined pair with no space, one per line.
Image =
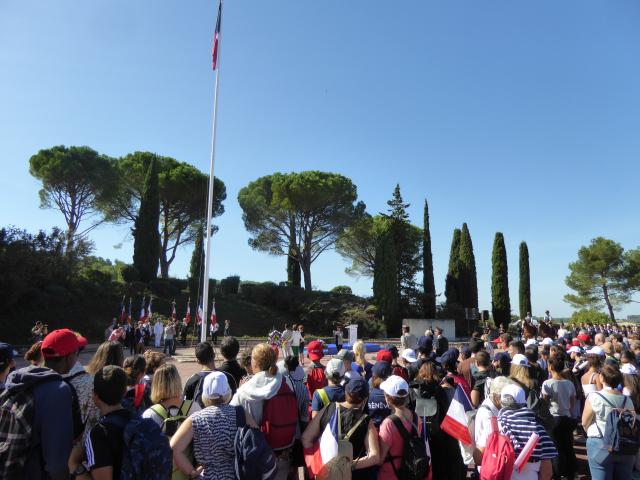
187,316
123,313
149,308
199,315
455,422
526,452
327,448
216,39
214,318
142,311
173,311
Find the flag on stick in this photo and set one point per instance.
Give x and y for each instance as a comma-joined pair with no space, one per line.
142,311
327,449
173,310
123,314
216,38
214,318
526,452
455,421
149,309
199,314
187,316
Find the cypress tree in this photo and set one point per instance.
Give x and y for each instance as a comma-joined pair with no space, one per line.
429,298
146,245
453,274
525,281
195,268
468,296
385,291
500,304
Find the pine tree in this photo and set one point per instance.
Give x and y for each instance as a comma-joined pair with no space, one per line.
294,277
146,245
525,281
384,284
453,274
468,294
429,298
500,304
195,268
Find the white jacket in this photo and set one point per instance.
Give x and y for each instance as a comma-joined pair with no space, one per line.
252,394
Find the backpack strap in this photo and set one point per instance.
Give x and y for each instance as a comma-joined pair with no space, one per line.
323,396
400,427
160,410
355,427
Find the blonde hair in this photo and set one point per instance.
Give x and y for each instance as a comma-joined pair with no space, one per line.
608,348
521,374
166,383
265,358
359,352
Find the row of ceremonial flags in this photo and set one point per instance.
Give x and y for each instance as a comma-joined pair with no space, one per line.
146,311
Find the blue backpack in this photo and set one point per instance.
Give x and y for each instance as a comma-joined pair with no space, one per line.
621,430
146,454
255,459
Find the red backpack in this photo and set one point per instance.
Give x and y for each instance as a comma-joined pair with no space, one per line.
316,379
280,418
498,457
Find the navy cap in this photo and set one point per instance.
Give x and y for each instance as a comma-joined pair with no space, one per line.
382,369
6,352
358,387
502,357
466,351
450,356
425,343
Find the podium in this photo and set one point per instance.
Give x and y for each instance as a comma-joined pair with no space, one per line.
353,334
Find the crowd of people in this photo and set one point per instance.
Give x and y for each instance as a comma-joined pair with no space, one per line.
252,414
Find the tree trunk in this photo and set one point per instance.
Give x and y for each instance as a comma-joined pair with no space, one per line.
305,266
605,290
164,264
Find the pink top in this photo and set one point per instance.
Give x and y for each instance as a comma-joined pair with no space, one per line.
390,435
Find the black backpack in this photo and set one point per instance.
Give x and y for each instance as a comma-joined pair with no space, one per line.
415,461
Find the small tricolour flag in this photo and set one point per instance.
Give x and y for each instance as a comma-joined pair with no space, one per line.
526,452
199,315
187,316
216,39
173,310
142,311
149,309
123,313
455,421
327,449
214,318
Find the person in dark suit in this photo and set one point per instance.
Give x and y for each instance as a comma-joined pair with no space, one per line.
441,343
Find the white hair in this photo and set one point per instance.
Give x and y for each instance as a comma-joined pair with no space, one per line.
497,384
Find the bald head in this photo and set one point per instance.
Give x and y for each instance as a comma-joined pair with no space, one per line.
598,339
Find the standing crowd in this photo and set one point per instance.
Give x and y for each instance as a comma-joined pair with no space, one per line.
506,408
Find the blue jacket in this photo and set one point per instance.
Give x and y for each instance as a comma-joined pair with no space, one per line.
53,422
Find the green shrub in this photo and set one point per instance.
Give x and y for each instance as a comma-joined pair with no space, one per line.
594,317
130,273
342,290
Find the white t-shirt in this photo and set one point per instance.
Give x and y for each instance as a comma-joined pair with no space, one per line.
483,422
295,338
601,409
561,332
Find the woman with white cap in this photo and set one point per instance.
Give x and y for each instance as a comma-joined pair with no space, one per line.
212,431
396,393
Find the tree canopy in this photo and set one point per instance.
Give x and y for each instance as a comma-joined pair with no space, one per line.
311,207
524,288
500,302
146,244
358,244
75,180
428,282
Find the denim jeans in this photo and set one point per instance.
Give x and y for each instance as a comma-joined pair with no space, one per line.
168,345
607,467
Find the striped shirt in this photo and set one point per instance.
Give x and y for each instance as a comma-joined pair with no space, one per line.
302,396
519,424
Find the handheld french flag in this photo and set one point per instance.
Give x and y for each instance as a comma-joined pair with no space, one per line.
149,309
526,452
327,449
455,422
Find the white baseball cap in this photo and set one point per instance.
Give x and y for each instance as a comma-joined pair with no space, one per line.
409,355
628,369
215,385
519,359
514,391
547,341
531,341
395,386
335,366
574,349
596,351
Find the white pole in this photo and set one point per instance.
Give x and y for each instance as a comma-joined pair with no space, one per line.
205,287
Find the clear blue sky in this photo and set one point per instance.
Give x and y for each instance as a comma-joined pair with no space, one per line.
520,117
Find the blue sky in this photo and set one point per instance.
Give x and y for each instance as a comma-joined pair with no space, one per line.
516,117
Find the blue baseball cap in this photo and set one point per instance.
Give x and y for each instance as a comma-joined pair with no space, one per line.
425,343
7,353
358,387
382,369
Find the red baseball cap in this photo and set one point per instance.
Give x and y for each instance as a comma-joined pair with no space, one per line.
315,350
384,356
584,337
62,342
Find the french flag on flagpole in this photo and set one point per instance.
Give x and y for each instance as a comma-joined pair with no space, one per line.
199,314
455,422
216,38
326,450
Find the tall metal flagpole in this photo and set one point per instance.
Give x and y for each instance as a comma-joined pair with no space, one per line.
205,287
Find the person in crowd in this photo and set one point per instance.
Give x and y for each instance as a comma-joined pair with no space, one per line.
396,367
502,363
561,395
537,372
215,326
518,422
117,334
229,347
396,394
361,365
7,362
334,391
591,378
227,328
441,342
265,384
602,464
153,360
377,404
347,358
158,329
34,355
598,339
169,338
130,336
108,353
286,340
245,362
166,395
302,343
138,396
212,432
627,357
425,354
338,336
475,345
206,358
480,373
50,443
364,440
104,446
449,363
408,358
39,331
295,341
408,339
184,330
516,347
488,409
316,377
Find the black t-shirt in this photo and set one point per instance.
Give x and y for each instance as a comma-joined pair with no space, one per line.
233,368
192,384
105,444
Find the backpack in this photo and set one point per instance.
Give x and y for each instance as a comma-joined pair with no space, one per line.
280,418
621,430
197,392
170,426
316,379
255,459
17,413
498,457
415,461
146,454
540,409
323,396
135,404
427,407
76,414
